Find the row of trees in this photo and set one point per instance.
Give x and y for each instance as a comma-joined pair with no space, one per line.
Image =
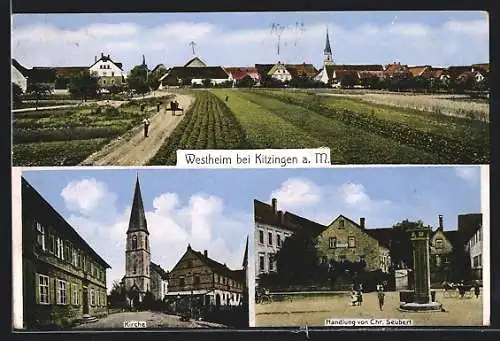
299,263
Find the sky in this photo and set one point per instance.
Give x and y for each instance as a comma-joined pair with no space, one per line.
437,38
213,209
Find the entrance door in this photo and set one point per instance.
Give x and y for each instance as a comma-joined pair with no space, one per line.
217,300
85,301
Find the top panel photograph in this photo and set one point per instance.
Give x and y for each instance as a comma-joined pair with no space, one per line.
132,89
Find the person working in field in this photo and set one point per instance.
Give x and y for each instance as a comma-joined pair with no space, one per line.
146,126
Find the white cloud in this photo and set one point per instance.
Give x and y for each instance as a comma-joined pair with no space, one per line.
469,174
324,203
201,222
296,192
85,195
453,42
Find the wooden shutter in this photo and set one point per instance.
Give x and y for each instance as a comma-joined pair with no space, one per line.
37,288
52,291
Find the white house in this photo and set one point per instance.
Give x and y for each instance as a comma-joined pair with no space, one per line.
108,71
19,75
475,248
280,72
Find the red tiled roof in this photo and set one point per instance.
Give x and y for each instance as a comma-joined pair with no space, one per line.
418,71
241,72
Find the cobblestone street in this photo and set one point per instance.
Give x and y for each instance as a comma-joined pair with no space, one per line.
152,319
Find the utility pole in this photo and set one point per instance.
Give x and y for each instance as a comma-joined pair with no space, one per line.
278,29
192,44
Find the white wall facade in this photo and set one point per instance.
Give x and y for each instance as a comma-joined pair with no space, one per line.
267,240
281,73
322,76
475,246
106,69
216,81
18,78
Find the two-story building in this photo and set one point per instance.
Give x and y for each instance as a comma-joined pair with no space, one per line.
272,227
198,277
442,244
159,281
346,240
471,229
108,71
63,277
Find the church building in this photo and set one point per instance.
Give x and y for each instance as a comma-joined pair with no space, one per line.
141,275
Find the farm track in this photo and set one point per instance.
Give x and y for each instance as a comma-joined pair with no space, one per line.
132,148
445,149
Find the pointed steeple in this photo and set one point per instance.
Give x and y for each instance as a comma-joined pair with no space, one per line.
143,61
137,216
245,256
327,45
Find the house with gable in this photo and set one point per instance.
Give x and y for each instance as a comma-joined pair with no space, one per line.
470,227
194,72
200,278
19,75
239,74
108,71
346,240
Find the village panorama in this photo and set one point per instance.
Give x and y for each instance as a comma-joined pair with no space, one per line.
99,114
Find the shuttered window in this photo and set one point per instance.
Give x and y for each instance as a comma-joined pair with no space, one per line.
61,292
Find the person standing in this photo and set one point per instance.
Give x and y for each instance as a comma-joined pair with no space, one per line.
477,290
381,296
360,297
146,126
172,107
354,298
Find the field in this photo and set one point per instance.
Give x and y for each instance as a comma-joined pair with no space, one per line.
313,310
439,104
65,137
357,131
360,132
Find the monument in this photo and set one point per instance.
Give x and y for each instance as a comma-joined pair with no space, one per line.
421,298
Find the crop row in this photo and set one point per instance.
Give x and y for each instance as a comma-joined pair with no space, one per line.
448,149
208,124
65,134
347,144
55,153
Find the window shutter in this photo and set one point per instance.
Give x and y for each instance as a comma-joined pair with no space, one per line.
52,291
37,288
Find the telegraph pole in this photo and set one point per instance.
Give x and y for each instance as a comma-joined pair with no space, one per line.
192,44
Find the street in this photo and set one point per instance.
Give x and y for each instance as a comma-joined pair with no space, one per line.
151,319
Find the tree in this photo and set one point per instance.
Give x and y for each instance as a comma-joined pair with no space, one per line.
16,94
349,80
297,259
117,296
153,81
84,86
245,82
401,246
207,82
39,90
138,79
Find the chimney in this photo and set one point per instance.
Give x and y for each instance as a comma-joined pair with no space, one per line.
102,54
362,223
205,253
441,221
274,203
108,56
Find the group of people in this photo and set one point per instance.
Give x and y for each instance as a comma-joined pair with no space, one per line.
357,297
174,106
462,288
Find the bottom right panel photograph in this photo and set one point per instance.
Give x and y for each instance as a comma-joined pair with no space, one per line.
372,246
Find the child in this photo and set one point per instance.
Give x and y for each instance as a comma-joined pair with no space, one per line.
360,298
380,296
354,298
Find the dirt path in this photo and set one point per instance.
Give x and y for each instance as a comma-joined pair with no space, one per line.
132,148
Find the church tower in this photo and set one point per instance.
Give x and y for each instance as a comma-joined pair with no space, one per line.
328,51
137,249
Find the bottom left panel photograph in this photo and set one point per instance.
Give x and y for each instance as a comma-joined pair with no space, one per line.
129,248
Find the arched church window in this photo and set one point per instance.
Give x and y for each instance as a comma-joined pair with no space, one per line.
146,242
135,267
134,242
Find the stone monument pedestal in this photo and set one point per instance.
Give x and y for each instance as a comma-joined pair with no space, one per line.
420,298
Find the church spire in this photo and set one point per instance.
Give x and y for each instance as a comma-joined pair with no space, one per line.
328,49
137,216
